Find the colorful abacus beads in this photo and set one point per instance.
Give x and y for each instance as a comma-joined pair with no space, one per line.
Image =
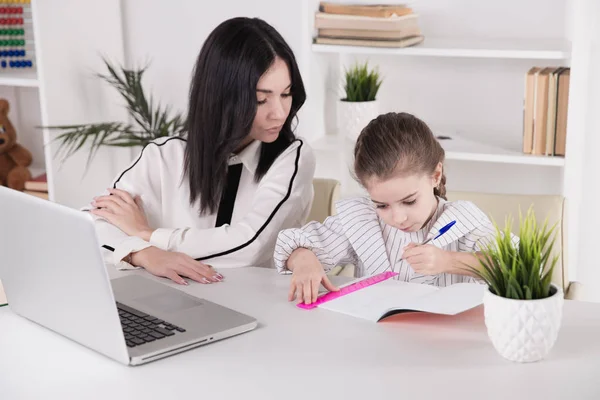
16,64
12,42
12,53
11,21
12,32
11,10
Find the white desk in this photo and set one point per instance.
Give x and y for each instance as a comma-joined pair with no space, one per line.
298,354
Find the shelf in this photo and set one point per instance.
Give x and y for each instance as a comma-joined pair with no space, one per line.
459,149
20,78
516,49
36,171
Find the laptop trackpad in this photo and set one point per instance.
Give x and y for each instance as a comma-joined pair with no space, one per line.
167,302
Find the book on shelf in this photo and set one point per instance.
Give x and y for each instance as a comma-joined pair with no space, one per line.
367,25
38,183
406,42
545,111
562,109
37,186
540,116
362,34
408,22
373,10
529,108
3,301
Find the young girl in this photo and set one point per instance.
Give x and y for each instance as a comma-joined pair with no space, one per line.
400,163
221,194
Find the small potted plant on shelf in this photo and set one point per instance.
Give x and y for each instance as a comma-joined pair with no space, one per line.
360,105
522,307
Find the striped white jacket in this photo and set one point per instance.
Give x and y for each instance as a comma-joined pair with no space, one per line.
358,236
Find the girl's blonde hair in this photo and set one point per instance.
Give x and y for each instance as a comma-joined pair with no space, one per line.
398,144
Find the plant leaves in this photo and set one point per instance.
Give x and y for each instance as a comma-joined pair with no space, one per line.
151,121
361,84
522,271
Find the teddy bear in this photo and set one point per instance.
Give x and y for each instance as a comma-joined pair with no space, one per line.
14,158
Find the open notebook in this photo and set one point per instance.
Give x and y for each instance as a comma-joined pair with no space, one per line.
390,297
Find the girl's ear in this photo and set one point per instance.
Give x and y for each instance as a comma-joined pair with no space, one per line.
437,174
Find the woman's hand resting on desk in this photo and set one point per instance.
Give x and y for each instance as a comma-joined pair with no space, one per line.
307,276
174,266
123,211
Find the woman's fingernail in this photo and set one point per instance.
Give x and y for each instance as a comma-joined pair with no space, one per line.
204,280
184,283
221,277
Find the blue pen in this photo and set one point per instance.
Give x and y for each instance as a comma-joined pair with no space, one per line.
442,230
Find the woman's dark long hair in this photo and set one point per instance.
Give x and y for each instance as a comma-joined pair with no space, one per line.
222,103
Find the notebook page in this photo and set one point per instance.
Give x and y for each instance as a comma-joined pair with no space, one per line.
450,300
373,301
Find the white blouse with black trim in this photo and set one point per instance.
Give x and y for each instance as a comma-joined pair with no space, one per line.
358,236
251,214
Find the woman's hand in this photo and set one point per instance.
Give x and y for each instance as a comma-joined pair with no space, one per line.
124,212
427,259
174,266
307,275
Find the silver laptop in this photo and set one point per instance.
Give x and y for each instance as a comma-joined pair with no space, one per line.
53,274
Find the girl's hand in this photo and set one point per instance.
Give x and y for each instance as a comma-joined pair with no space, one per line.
307,276
427,259
124,212
174,266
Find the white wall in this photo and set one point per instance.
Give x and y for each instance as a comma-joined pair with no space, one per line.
172,46
581,181
71,38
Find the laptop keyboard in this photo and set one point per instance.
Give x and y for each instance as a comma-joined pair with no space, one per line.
140,328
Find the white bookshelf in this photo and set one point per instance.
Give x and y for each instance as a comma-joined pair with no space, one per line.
467,76
456,148
20,87
441,47
19,79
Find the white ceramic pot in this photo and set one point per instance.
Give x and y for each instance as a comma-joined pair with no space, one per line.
523,330
352,117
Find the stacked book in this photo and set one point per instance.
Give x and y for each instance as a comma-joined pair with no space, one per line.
3,300
367,25
545,111
37,186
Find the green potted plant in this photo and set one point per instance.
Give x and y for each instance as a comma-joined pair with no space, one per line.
150,119
359,104
522,307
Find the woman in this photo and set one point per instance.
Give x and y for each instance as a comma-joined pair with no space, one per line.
219,196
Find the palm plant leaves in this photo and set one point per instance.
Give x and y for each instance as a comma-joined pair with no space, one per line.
151,120
361,84
522,272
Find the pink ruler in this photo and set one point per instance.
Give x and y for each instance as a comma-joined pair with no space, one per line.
349,289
